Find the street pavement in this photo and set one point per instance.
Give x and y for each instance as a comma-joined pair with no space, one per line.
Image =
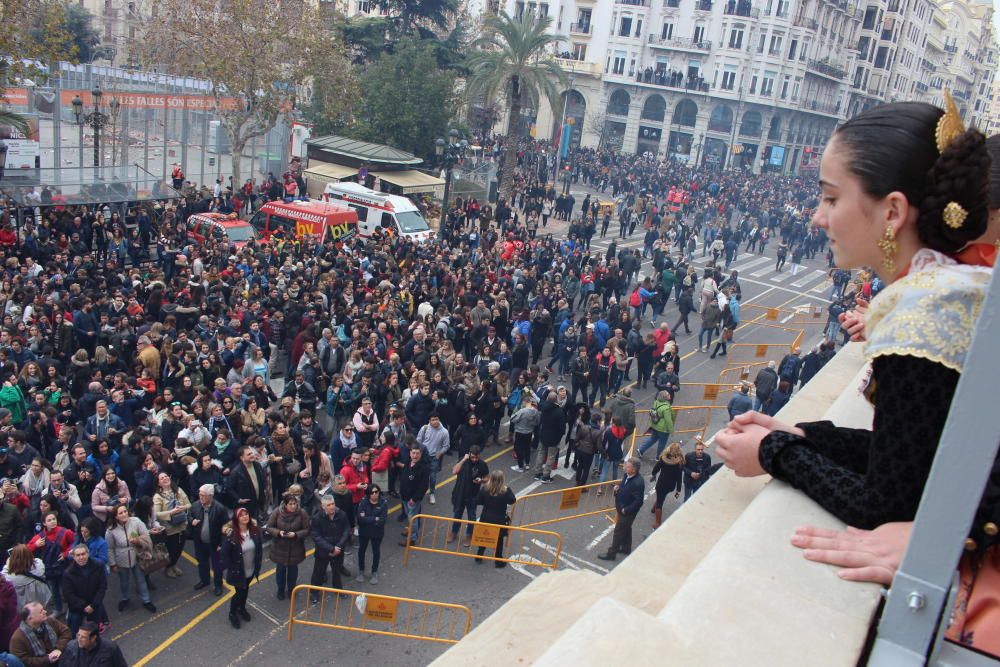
193,626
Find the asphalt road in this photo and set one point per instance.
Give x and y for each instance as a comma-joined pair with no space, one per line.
192,626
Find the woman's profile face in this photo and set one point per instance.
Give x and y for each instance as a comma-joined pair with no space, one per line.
853,220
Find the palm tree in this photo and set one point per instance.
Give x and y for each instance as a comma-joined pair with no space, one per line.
514,58
16,121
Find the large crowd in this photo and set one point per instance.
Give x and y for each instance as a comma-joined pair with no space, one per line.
158,391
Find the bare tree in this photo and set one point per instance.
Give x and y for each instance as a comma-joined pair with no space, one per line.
263,54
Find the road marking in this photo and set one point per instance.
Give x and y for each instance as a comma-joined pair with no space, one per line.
264,613
756,262
158,616
809,278
569,558
762,272
523,558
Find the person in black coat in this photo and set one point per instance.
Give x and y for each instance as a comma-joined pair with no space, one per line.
550,433
697,467
83,585
414,480
629,494
495,497
246,482
90,648
372,514
471,471
208,516
242,553
468,435
667,474
329,529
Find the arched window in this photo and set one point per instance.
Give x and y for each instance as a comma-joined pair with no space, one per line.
655,108
774,134
685,113
721,120
750,124
619,102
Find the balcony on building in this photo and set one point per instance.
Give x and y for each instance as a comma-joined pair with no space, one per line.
922,87
572,65
662,78
679,44
633,3
807,23
738,8
703,5
580,28
827,69
828,108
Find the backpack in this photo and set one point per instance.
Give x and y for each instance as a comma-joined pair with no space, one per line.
52,556
787,368
636,299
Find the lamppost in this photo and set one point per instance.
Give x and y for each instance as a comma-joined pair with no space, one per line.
697,149
97,120
449,153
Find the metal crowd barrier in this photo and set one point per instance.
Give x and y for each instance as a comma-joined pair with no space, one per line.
522,545
386,615
548,507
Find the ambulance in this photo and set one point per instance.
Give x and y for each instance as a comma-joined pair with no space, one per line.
322,220
392,213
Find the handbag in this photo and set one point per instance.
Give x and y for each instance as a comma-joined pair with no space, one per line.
155,559
727,334
176,519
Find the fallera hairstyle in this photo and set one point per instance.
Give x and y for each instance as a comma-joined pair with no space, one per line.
892,147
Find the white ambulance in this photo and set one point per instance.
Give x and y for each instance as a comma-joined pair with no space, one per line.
392,213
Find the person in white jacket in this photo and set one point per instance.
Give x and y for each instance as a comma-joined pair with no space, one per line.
27,574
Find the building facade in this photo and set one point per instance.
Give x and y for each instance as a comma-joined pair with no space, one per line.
759,84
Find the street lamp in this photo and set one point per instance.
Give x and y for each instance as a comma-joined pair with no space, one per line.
97,120
449,153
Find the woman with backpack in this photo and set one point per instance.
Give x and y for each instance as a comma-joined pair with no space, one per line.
52,544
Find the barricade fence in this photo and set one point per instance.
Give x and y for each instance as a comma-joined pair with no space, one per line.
385,615
518,544
744,354
734,375
703,393
689,421
548,507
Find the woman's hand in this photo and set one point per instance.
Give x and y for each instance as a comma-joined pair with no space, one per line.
864,555
738,448
760,419
853,321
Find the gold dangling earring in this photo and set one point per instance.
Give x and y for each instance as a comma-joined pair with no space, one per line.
887,244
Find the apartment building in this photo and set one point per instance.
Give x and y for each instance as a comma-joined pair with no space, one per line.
119,24
963,51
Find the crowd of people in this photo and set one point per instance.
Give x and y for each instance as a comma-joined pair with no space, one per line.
248,400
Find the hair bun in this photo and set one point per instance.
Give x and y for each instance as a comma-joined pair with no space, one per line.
960,174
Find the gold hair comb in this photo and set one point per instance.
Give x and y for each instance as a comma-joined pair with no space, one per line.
954,215
950,125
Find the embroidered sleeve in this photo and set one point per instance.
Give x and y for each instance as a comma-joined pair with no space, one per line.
870,482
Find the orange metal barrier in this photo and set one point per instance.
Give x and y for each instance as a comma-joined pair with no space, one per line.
525,545
548,507
733,375
702,393
386,615
744,354
689,420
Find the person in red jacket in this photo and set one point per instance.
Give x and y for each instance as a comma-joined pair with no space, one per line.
356,476
661,336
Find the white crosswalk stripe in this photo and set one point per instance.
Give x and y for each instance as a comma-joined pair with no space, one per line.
801,277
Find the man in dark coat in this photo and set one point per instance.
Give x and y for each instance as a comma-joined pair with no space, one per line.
246,483
629,494
330,530
208,516
90,648
697,468
83,587
471,471
414,480
765,383
550,433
